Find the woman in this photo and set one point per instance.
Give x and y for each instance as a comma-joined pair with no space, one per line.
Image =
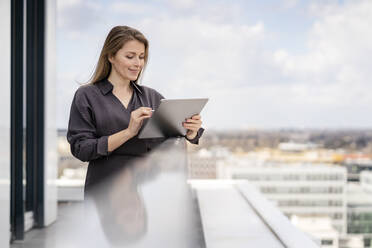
107,114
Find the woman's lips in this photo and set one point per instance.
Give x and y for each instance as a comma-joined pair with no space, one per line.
134,71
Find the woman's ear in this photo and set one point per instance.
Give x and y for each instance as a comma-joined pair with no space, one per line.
110,58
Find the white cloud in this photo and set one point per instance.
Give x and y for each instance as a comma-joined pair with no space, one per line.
75,16
337,62
189,51
131,8
182,4
63,4
288,4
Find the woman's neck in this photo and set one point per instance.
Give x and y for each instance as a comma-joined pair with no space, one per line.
118,82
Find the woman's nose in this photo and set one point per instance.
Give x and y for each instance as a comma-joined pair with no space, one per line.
137,62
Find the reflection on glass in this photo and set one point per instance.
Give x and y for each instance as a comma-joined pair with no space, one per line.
145,203
120,206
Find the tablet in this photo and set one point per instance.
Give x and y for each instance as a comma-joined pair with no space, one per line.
167,120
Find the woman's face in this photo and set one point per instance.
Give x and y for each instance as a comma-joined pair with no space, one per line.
129,60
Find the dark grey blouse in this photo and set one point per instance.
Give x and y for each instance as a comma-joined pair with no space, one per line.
96,113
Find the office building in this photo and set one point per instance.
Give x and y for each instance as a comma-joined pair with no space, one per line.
366,181
359,209
202,164
297,189
319,228
355,166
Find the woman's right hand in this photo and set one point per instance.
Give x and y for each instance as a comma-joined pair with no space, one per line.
136,119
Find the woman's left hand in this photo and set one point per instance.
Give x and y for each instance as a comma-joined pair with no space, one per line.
192,125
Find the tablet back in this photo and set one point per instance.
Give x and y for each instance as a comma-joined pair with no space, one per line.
167,120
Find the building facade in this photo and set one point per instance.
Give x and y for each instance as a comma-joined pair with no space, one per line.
359,208
297,189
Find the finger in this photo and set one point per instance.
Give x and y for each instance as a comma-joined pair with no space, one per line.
193,121
144,108
143,117
198,123
191,126
196,117
138,116
142,111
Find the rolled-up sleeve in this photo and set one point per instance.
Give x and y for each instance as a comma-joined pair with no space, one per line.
82,133
197,137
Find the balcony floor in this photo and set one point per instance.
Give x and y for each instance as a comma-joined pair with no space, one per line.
55,235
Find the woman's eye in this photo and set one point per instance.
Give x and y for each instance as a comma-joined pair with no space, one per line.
130,57
142,57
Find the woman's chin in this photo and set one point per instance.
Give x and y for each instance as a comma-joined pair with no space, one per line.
133,78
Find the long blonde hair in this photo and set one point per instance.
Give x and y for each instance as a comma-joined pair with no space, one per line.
115,40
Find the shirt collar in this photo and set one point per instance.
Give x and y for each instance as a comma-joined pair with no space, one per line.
105,86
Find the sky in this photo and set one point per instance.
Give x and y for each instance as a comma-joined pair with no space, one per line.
262,64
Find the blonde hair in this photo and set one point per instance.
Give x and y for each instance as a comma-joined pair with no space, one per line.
115,40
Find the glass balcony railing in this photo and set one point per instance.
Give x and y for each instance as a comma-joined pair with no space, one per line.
150,203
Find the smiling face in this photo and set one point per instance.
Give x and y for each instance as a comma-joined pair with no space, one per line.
128,62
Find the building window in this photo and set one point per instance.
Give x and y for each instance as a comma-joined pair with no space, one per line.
327,242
